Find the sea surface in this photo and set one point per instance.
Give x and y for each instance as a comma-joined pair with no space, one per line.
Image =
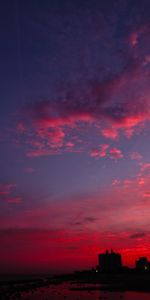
74,291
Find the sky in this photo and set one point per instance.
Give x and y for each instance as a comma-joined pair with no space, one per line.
74,133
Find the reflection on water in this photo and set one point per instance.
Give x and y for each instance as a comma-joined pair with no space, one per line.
66,291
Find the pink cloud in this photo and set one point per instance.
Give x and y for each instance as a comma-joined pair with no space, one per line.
101,152
147,195
130,124
115,182
28,170
141,33
115,153
145,167
45,143
21,127
41,152
70,144
127,182
14,200
147,59
104,150
6,188
7,193
141,181
110,133
70,147
38,144
133,39
136,156
46,120
56,136
50,121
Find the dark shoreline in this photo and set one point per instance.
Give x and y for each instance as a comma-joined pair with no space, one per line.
79,282
110,282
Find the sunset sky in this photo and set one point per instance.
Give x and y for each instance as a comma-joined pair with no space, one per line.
74,133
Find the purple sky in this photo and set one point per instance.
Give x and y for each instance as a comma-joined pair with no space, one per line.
74,120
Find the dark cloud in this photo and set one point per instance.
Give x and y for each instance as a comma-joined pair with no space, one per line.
90,219
138,235
76,223
83,221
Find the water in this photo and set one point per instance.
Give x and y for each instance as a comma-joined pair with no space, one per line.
63,291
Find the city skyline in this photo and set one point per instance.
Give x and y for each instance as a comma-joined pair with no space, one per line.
74,133
111,262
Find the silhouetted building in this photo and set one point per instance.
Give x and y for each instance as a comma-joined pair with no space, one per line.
109,262
142,264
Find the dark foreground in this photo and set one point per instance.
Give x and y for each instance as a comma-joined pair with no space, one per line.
78,286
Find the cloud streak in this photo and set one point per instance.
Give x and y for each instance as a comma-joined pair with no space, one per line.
105,151
8,193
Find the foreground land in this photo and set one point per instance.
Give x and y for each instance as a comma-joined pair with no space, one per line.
122,281
79,281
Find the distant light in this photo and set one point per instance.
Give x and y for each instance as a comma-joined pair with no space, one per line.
145,268
96,271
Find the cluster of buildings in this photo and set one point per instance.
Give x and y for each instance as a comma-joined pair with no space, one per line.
112,262
142,264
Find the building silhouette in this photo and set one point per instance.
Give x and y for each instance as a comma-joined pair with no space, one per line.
109,262
142,264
